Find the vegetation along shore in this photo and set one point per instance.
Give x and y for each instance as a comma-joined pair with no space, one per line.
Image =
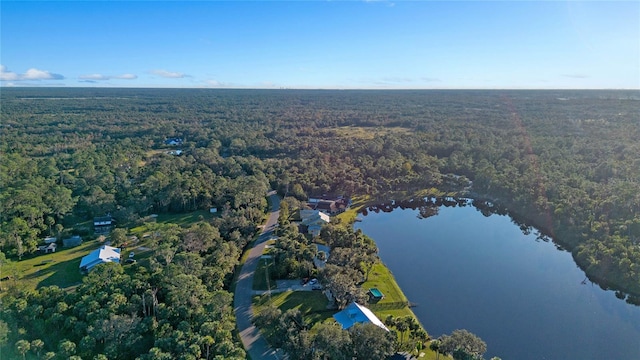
175,181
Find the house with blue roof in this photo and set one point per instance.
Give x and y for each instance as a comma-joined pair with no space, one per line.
102,255
355,313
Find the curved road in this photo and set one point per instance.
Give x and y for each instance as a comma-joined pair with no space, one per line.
255,345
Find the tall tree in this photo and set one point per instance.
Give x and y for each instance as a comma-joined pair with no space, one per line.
370,342
463,344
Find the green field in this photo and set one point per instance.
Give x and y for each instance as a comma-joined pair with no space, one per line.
368,133
61,268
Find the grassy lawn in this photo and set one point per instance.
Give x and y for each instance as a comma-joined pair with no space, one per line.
349,216
312,304
185,219
380,277
260,277
61,268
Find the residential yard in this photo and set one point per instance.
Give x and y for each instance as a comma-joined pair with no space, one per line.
61,268
186,219
349,216
312,304
261,280
394,299
380,277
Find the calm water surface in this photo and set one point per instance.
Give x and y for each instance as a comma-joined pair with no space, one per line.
522,296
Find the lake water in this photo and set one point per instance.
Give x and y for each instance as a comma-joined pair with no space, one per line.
522,296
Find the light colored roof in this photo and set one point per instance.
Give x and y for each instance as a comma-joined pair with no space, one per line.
356,313
316,217
103,254
50,239
102,220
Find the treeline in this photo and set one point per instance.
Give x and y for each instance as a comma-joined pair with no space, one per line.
566,161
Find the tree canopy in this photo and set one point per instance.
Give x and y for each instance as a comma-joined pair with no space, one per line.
564,161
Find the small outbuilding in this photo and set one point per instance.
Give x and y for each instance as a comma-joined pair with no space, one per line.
47,249
72,241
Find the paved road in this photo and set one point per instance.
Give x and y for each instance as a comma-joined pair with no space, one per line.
255,345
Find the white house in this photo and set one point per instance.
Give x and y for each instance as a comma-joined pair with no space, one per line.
314,220
103,254
355,313
50,248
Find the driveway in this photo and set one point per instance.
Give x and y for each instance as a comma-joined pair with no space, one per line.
254,344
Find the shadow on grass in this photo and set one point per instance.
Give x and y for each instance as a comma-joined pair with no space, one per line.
63,274
312,304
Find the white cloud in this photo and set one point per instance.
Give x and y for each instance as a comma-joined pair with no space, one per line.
31,74
97,77
7,75
126,76
94,77
169,74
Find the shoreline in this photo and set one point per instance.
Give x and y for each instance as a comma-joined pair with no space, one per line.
630,295
348,218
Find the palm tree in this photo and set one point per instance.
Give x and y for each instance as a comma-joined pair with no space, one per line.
22,346
435,346
402,326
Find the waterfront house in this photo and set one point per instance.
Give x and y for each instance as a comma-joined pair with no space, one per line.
355,313
314,220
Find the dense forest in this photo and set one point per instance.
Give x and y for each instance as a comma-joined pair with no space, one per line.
565,162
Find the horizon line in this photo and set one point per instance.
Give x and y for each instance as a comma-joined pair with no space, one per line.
300,88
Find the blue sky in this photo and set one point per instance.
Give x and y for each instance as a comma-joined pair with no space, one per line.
322,44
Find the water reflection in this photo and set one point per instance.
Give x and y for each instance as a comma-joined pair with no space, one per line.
509,284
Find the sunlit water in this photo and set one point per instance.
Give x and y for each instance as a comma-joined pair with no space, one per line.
523,296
